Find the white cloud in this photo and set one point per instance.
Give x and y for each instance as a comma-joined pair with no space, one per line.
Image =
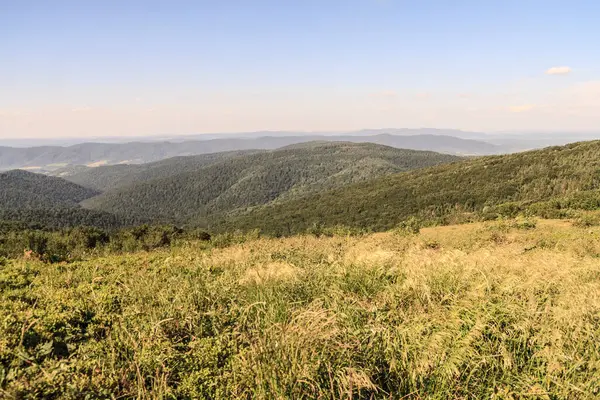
559,71
522,108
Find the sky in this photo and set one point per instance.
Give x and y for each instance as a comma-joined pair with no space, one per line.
128,68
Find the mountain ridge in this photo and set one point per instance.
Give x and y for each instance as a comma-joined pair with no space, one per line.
544,182
49,158
260,178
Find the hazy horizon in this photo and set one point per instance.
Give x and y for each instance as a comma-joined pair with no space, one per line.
141,69
592,133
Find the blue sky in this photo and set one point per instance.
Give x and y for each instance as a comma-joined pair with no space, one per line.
76,68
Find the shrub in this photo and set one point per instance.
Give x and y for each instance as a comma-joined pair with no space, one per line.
88,237
37,242
230,238
341,230
587,220
506,209
525,223
410,226
200,235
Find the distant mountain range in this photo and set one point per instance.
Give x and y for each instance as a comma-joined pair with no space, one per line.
39,142
51,158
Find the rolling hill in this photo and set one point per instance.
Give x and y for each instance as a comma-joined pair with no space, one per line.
113,176
22,189
50,202
542,181
257,179
50,158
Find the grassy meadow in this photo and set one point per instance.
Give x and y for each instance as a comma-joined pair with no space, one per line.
499,310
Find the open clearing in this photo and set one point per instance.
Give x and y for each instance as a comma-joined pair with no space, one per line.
492,310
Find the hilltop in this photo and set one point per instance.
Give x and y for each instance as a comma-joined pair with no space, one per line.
51,158
255,179
546,182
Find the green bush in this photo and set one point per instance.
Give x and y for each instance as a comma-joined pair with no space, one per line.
200,235
230,238
410,226
77,243
88,237
587,220
524,223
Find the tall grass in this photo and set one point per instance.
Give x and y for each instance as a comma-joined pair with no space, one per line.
487,311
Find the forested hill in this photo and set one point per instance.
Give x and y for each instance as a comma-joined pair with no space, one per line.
22,189
50,158
542,181
113,176
49,202
257,179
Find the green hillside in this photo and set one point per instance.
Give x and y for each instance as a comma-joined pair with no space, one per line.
543,181
109,177
21,189
49,202
257,179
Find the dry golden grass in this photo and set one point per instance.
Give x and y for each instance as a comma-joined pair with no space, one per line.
491,310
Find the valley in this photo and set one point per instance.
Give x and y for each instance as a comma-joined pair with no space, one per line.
299,200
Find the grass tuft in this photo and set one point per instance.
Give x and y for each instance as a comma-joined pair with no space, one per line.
486,310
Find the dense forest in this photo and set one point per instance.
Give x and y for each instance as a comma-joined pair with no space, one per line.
109,177
45,202
52,218
310,186
545,182
21,189
257,179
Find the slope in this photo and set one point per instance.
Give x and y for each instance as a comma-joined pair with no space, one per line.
49,202
113,176
378,316
22,189
257,179
542,181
